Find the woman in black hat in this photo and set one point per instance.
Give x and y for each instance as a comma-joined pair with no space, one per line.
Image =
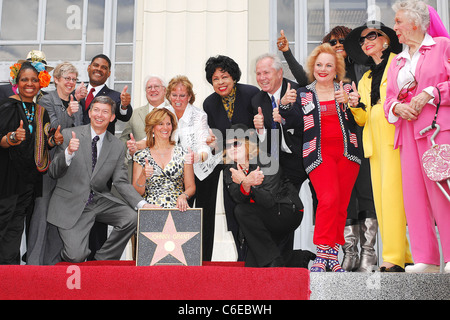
376,45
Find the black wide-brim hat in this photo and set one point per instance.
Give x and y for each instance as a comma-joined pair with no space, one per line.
353,49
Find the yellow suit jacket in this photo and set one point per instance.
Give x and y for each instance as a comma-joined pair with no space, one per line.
364,118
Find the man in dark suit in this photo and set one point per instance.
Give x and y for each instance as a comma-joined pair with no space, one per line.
83,165
99,71
276,89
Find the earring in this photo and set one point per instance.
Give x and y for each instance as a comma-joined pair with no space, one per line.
385,45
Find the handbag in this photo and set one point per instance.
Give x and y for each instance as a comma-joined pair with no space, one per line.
436,160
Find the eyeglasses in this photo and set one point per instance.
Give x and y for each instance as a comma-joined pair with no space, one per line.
334,42
407,89
156,88
234,144
70,79
372,35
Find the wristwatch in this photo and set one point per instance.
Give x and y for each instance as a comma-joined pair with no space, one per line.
12,136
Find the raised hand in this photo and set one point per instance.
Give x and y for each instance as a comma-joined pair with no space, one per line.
258,120
276,115
81,92
353,97
341,96
73,106
21,134
237,175
131,145
148,169
282,42
58,138
74,144
125,97
290,96
255,178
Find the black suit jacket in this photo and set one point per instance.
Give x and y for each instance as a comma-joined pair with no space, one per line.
291,163
115,95
217,116
6,91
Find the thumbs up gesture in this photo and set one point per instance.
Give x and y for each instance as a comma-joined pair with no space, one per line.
148,169
81,92
131,145
21,133
125,98
256,177
58,138
282,43
74,144
341,96
258,120
73,106
290,96
353,97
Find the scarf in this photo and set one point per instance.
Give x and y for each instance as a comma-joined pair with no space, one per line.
228,103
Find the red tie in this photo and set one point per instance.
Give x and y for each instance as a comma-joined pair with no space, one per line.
89,98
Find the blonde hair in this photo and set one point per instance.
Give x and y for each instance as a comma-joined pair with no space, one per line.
326,48
156,117
183,80
251,150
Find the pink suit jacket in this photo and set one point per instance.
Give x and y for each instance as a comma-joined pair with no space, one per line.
433,69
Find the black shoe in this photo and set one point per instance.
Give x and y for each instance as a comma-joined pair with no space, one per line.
394,268
300,259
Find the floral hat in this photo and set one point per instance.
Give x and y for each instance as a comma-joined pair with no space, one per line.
36,55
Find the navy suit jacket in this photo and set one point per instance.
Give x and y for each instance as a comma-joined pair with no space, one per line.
116,97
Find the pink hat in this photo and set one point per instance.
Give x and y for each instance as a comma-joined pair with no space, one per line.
436,28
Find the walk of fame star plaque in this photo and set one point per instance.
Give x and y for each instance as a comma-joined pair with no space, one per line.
169,237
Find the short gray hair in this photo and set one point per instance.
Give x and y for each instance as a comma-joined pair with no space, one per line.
416,11
277,64
64,68
105,100
154,76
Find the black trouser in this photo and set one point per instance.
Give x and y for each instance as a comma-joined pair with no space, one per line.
13,211
266,230
205,198
361,205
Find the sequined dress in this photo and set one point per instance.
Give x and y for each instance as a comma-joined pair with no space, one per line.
165,185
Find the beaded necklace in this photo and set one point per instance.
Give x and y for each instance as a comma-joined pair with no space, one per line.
30,116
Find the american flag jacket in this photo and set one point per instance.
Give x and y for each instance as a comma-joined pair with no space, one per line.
305,114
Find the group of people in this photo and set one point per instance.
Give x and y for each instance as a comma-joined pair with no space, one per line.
351,125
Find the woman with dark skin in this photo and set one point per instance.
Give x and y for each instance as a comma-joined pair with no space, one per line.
24,143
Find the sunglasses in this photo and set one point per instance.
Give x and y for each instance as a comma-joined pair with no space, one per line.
372,35
234,144
407,89
334,42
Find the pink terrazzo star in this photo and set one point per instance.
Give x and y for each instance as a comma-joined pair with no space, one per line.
169,241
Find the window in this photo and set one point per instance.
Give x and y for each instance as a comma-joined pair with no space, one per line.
70,30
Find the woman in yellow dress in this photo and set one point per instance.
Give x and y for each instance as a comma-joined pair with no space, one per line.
376,45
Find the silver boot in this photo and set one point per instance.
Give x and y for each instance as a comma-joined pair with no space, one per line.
369,230
350,248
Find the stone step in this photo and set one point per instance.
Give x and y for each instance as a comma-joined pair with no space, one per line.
380,286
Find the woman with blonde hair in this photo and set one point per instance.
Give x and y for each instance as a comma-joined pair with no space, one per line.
331,155
160,172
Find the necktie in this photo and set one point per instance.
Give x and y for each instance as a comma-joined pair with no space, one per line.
89,99
94,162
273,145
274,106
